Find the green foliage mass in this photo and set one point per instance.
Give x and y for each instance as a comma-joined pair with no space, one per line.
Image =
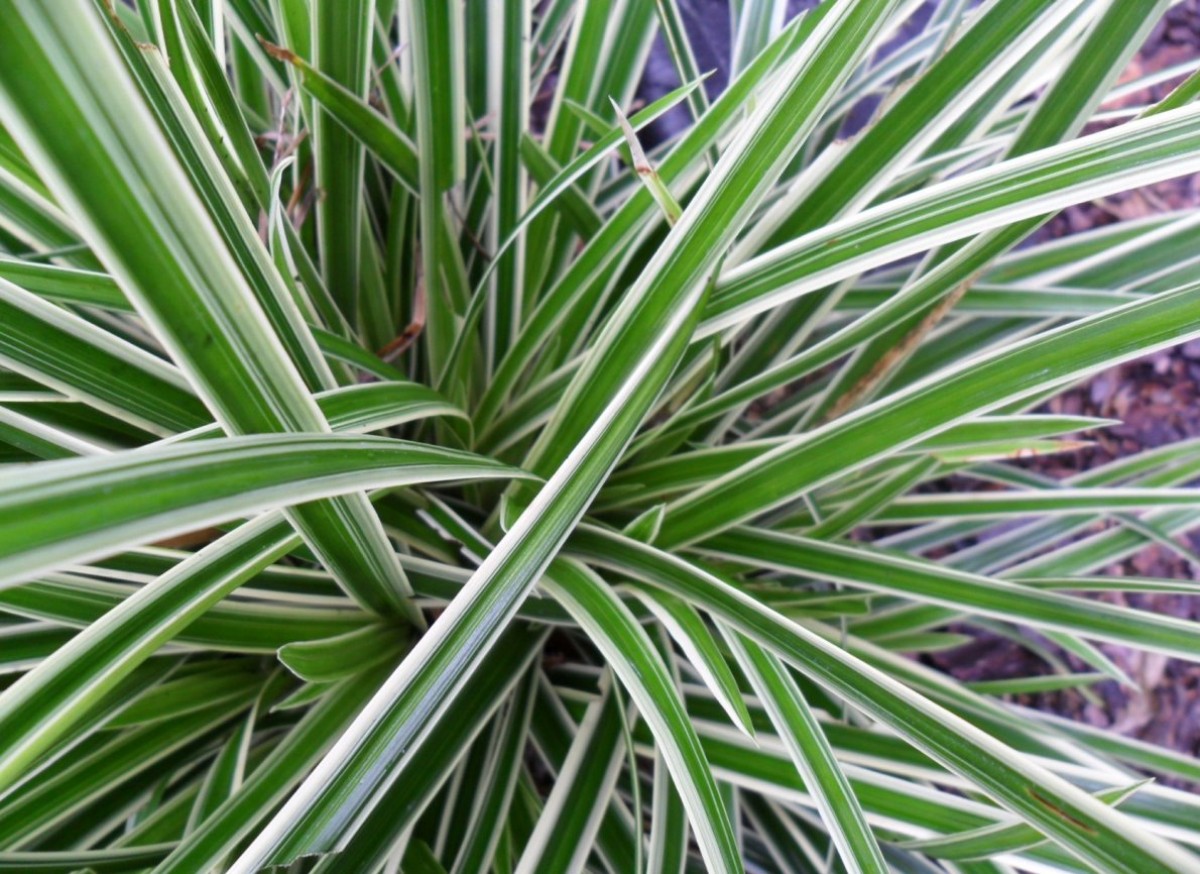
407,463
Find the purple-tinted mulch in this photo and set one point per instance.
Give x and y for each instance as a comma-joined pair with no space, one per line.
1157,400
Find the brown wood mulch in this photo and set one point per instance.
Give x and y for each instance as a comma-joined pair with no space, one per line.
1157,400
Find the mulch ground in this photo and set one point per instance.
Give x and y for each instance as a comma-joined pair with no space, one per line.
1157,400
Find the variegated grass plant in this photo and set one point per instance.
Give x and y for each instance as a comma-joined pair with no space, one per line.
404,468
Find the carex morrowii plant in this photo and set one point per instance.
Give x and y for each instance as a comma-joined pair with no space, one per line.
402,467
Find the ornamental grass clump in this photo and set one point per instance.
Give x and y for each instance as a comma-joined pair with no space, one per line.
412,463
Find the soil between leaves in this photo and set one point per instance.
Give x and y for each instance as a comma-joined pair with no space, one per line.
1157,400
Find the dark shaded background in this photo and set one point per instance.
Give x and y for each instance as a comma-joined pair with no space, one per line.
1157,399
